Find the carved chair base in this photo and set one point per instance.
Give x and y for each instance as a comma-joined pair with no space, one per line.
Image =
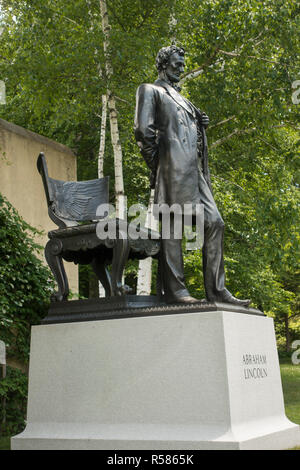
81,245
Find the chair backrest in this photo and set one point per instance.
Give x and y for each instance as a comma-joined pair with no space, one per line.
70,202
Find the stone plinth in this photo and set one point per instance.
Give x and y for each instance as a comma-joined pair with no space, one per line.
208,380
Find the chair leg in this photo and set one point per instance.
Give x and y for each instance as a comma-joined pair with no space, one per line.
120,256
103,275
53,256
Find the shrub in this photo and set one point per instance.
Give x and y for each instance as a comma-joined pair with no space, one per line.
25,282
13,389
25,289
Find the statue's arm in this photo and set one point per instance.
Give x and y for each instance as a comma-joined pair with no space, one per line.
144,124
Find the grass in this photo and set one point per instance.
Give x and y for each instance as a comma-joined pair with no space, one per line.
4,443
290,375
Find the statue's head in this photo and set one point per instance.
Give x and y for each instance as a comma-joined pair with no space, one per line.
170,63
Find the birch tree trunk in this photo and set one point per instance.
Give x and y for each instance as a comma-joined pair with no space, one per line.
118,158
102,137
113,118
101,158
145,265
101,152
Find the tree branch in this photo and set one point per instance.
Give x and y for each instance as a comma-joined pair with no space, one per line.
235,132
121,99
267,143
227,181
112,10
294,315
288,123
220,123
235,54
196,72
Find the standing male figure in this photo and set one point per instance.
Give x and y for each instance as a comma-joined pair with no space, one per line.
170,134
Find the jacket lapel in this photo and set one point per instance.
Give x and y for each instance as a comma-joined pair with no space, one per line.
176,96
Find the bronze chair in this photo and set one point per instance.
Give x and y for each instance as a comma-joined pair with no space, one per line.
73,206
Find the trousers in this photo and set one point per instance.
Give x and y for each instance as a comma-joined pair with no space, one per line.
170,279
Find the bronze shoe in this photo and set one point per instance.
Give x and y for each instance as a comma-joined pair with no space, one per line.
228,298
186,299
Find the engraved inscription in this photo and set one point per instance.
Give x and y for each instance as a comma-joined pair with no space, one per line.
255,366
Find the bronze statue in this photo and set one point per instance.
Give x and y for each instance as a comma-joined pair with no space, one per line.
170,132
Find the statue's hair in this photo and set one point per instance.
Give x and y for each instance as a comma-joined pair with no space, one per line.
164,55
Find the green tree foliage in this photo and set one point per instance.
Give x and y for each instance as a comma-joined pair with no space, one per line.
241,64
25,289
13,389
25,285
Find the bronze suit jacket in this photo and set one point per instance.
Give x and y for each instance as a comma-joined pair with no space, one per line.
166,132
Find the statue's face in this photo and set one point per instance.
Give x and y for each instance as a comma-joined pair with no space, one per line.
175,67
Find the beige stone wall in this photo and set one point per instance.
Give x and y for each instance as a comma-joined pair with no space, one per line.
21,183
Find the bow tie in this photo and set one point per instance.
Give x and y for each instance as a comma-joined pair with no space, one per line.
177,88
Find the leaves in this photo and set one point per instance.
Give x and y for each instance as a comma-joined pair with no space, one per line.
13,388
25,283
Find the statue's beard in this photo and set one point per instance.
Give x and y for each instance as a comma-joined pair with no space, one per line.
168,79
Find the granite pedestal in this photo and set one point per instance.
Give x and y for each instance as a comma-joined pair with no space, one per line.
195,380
